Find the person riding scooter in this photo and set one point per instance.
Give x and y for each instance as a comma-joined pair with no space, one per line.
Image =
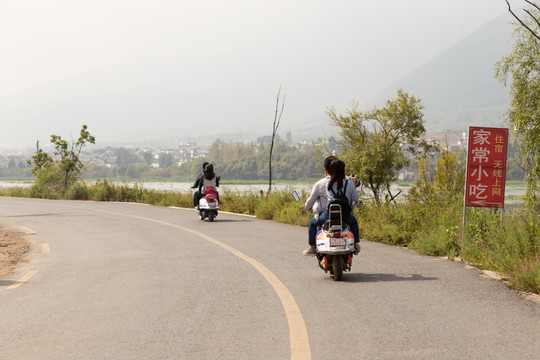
209,179
337,183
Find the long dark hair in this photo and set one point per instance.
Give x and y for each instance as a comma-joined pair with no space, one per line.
209,172
337,173
328,161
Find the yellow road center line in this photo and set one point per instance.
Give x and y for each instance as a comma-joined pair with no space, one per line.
45,249
299,340
22,280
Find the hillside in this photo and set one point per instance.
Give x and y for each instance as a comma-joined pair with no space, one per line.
458,87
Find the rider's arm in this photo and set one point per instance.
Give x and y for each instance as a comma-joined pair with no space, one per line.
353,193
196,184
311,199
201,185
317,192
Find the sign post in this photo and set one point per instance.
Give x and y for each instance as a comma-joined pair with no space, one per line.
486,167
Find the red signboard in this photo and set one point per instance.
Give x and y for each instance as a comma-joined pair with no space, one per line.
486,167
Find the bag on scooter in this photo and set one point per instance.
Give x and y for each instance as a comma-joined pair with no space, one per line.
340,199
211,194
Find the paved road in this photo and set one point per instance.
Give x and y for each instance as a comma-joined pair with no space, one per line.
126,281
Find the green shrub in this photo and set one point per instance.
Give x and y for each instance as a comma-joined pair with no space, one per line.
526,276
48,182
290,214
385,223
239,203
102,191
16,192
437,242
78,191
267,209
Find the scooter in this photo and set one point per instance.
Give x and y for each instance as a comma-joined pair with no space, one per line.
209,204
335,244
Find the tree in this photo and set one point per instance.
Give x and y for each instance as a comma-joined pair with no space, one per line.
147,156
442,185
69,154
39,159
522,67
375,144
126,156
524,23
165,160
277,120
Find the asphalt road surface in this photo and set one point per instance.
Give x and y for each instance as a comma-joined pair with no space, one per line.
128,281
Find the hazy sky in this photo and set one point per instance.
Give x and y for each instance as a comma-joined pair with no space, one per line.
42,41
212,62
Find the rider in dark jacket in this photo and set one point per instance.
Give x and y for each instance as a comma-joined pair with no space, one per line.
207,179
196,185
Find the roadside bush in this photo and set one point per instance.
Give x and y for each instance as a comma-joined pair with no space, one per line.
526,276
102,191
239,203
78,191
386,223
48,182
438,241
509,245
168,199
289,214
16,192
267,209
281,206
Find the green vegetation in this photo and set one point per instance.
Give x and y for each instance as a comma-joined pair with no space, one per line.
522,68
233,161
56,176
377,144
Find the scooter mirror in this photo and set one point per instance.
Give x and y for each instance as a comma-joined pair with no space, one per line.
295,196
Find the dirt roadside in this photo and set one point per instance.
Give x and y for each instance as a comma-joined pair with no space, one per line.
13,246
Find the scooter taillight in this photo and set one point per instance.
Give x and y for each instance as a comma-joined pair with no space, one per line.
337,234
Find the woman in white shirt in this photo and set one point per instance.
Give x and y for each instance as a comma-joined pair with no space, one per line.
318,200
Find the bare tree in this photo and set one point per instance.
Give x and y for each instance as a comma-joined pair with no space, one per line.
277,120
528,13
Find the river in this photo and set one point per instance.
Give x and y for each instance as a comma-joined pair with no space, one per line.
511,191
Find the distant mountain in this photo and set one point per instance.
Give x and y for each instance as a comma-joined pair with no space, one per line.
458,87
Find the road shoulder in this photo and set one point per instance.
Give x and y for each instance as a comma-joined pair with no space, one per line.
13,248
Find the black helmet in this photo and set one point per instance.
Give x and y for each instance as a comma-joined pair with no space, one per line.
209,171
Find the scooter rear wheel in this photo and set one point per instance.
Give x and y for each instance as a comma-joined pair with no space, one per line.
337,266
